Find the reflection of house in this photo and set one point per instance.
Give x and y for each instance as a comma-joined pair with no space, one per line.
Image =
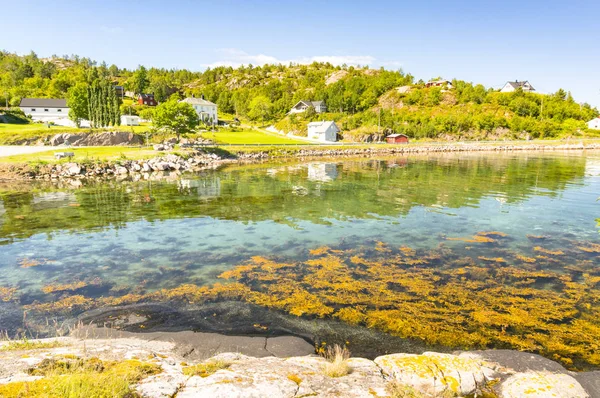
52,200
594,124
325,131
512,86
303,105
45,109
206,110
323,172
130,120
203,187
397,139
147,99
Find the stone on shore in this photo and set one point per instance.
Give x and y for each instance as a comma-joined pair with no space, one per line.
542,385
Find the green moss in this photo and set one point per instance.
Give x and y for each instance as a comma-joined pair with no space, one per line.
206,369
25,344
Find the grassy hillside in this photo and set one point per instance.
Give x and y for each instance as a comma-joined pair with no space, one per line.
363,101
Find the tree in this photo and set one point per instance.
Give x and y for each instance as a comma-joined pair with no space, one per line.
176,117
78,103
140,80
103,104
147,113
260,108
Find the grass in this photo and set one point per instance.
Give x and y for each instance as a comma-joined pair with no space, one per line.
247,136
25,344
207,368
337,361
90,378
83,154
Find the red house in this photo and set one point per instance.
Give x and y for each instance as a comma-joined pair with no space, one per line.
397,139
147,99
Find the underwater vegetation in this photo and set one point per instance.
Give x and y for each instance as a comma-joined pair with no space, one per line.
542,300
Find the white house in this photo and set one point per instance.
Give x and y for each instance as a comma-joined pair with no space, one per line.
130,120
45,109
302,106
206,110
512,86
439,83
594,124
325,131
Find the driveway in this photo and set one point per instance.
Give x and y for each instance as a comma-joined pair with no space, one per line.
23,150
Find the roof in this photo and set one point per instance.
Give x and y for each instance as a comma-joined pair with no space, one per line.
310,103
44,102
198,101
397,135
147,96
517,84
321,127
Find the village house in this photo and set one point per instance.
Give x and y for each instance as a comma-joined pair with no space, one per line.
206,110
302,106
147,99
325,131
397,139
512,86
130,120
45,109
594,124
439,83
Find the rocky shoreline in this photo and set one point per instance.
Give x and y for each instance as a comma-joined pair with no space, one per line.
207,157
492,373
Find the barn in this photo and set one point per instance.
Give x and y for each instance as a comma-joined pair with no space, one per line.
397,139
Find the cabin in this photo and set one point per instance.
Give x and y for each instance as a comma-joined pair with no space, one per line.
120,91
439,83
509,87
397,139
130,120
325,131
206,110
147,99
302,106
45,109
594,124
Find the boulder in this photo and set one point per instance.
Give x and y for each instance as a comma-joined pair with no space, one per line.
541,385
435,373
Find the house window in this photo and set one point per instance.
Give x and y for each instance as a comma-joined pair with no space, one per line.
32,109
45,110
145,103
59,110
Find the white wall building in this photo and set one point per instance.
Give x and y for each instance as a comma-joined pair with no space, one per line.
512,86
302,106
45,109
206,110
130,120
325,131
594,124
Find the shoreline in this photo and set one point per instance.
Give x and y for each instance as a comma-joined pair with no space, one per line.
282,372
204,158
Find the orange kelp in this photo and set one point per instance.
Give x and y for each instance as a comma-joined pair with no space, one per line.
438,296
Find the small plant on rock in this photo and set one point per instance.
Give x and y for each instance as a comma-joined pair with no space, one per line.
337,365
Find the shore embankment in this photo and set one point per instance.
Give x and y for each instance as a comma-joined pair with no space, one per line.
199,158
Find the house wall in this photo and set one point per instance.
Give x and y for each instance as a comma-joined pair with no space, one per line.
594,124
46,113
329,135
507,88
207,111
127,120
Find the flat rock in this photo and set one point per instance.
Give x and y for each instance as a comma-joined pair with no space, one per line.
435,373
541,384
520,361
590,381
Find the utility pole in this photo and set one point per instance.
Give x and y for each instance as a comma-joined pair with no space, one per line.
379,121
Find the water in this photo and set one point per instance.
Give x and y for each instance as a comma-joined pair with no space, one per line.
117,238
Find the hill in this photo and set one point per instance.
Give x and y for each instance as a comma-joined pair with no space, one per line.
365,102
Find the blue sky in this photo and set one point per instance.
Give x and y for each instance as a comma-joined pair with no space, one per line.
552,44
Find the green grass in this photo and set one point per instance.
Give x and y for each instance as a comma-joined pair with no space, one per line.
246,136
100,153
24,344
206,369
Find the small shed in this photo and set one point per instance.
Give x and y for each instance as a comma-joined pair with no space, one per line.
325,131
130,120
397,139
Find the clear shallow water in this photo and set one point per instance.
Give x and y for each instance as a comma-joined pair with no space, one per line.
138,237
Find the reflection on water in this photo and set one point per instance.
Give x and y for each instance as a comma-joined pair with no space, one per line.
88,247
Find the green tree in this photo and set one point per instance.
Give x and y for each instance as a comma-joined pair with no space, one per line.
140,80
78,103
176,117
260,108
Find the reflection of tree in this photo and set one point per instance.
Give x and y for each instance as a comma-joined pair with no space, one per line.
360,189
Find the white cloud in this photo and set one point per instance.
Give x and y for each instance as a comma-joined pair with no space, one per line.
234,57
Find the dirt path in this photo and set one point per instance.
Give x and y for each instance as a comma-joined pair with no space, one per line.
22,150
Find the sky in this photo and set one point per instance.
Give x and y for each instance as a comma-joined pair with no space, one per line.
552,44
